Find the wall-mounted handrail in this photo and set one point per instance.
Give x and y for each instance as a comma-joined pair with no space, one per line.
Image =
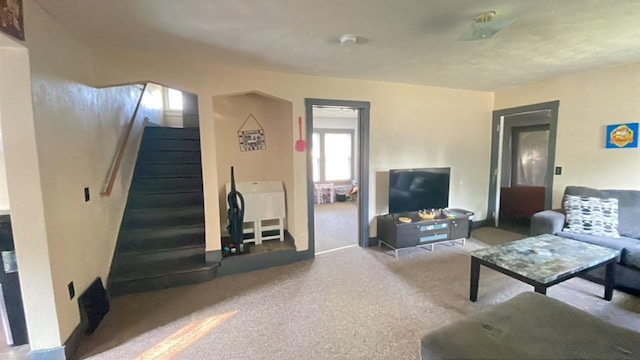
115,166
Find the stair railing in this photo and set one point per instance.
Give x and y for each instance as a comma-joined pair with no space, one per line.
115,165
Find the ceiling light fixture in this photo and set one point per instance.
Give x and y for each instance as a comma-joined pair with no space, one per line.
485,17
484,26
348,39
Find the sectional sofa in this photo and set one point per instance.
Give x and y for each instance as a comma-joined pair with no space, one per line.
621,228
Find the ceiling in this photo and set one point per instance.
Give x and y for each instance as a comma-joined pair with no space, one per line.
408,41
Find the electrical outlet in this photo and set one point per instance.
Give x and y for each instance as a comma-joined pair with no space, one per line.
558,170
87,196
72,290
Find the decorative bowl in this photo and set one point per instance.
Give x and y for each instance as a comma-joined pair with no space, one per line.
425,214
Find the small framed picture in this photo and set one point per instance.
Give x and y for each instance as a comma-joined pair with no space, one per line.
11,18
252,140
620,136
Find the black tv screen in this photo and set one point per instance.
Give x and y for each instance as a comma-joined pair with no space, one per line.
417,189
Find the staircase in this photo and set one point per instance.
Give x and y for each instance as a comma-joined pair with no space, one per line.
161,242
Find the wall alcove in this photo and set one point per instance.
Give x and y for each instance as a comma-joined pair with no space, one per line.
271,161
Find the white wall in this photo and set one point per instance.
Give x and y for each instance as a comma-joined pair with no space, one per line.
335,123
4,190
411,126
172,119
77,129
588,102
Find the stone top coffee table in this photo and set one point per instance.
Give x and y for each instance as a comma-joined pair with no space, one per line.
543,261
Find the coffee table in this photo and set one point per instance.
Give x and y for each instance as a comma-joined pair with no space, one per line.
543,261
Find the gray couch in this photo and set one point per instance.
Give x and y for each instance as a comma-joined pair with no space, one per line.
531,326
627,270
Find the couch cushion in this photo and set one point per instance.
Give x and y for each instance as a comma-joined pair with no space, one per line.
591,215
531,326
628,206
629,247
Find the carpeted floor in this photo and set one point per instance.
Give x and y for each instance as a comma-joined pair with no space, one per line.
349,304
11,352
336,225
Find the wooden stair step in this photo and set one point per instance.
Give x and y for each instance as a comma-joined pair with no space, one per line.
162,184
169,274
167,169
152,218
167,198
170,155
137,261
170,144
166,237
156,132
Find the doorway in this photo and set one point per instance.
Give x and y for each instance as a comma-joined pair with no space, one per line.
522,164
337,174
334,149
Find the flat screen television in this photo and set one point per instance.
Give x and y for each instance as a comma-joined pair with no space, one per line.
417,189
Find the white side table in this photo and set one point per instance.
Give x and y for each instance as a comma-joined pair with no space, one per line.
263,202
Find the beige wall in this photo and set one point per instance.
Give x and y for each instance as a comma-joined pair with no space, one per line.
23,179
411,126
4,190
273,163
588,102
78,129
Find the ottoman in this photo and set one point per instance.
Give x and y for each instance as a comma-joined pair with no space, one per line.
531,326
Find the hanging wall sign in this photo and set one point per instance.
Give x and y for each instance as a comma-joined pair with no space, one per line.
622,136
251,135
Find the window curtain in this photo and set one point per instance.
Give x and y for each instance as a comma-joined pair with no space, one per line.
531,158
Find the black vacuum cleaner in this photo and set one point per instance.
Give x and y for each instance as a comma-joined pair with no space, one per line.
235,216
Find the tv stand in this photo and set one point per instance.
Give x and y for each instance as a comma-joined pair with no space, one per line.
420,232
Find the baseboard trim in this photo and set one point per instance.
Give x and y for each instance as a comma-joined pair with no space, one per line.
236,265
56,353
213,257
479,224
372,241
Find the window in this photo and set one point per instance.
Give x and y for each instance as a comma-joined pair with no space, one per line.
173,100
332,155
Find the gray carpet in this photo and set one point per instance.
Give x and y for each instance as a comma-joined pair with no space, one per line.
349,304
336,225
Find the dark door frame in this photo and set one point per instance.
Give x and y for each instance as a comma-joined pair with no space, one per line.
364,109
497,132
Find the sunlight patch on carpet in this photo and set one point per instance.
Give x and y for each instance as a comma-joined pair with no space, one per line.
336,249
183,338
